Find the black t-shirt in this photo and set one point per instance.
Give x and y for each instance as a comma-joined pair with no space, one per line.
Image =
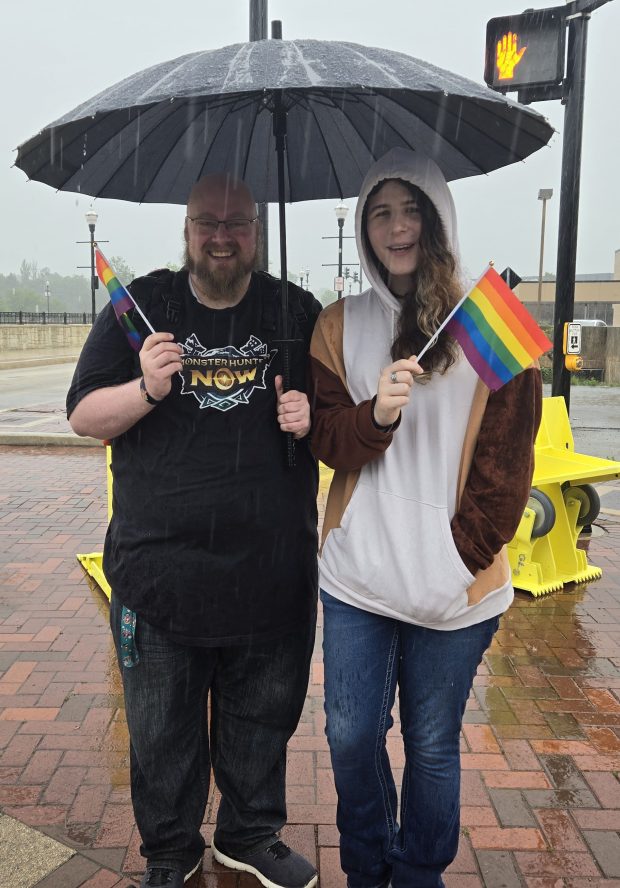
213,537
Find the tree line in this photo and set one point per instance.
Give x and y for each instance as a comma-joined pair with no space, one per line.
27,289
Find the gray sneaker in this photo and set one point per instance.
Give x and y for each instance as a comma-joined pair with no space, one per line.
274,867
164,877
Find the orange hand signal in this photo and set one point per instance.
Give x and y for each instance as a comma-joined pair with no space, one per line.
507,56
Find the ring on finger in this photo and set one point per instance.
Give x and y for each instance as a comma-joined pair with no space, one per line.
393,376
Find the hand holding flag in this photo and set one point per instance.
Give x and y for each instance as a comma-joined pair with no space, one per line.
497,334
122,301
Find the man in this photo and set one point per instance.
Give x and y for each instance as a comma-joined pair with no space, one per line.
211,550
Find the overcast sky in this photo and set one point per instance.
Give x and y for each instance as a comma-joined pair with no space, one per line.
56,55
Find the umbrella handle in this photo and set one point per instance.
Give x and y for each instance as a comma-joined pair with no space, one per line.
284,346
279,131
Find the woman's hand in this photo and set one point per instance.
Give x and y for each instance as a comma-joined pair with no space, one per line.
160,359
394,389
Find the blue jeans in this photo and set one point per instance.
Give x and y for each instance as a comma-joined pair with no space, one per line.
257,694
366,657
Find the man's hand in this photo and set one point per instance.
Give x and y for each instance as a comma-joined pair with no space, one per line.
293,411
394,389
160,358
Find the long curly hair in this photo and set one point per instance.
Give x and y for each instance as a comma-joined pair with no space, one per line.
435,289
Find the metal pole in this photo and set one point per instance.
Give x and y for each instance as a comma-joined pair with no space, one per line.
569,199
258,19
542,252
258,31
340,227
92,273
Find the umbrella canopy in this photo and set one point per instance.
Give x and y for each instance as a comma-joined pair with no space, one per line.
154,134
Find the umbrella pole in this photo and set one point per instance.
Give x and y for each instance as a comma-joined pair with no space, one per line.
279,131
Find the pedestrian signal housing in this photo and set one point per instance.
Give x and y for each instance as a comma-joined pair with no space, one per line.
526,49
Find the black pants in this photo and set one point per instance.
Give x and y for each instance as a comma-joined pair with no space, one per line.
257,695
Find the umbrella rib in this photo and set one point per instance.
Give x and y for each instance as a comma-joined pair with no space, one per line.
327,149
181,106
184,104
476,129
251,134
391,98
156,171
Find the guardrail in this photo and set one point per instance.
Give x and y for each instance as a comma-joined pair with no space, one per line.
42,317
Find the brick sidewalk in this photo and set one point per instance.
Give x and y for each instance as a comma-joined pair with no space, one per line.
540,746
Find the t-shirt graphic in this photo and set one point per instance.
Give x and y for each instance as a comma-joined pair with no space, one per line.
225,377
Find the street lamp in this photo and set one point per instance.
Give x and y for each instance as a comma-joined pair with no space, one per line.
341,211
47,293
91,221
544,194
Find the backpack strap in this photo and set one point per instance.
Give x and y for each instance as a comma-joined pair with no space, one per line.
271,308
173,296
159,289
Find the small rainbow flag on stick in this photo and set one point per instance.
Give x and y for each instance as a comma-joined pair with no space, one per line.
497,334
122,301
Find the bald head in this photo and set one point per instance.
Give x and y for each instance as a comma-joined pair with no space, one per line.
223,196
221,258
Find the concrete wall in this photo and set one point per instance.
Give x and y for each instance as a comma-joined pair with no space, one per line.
600,348
40,337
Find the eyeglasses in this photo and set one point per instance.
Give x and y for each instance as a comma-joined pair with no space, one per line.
232,226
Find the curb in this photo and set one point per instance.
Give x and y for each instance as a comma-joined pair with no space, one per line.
19,363
51,439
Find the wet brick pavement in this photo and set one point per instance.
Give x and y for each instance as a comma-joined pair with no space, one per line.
540,744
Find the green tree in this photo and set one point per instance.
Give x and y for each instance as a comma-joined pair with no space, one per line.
326,297
123,271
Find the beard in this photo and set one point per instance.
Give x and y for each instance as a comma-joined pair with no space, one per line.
219,284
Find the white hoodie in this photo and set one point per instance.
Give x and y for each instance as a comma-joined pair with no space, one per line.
394,553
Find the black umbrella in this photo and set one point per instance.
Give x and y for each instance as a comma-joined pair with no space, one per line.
331,108
151,136
296,120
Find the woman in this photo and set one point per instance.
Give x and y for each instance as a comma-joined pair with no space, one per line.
432,474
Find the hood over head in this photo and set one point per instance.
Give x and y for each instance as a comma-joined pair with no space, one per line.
421,171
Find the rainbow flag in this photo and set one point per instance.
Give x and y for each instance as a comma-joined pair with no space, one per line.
499,337
121,299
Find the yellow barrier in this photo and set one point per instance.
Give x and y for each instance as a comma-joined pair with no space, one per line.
544,562
92,562
543,554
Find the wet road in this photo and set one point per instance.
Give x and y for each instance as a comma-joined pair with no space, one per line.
595,419
28,386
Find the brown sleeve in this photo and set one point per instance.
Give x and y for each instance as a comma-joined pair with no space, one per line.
343,434
499,481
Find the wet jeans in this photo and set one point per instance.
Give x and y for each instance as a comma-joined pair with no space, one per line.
366,657
257,693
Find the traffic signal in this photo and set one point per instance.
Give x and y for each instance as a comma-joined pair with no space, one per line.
525,50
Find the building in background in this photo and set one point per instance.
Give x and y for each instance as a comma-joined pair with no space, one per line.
596,296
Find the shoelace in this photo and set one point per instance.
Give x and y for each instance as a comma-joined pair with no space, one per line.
279,850
159,877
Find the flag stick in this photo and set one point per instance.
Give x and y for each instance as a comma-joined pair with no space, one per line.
137,307
433,338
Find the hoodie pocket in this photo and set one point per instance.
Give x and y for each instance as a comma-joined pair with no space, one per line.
399,554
